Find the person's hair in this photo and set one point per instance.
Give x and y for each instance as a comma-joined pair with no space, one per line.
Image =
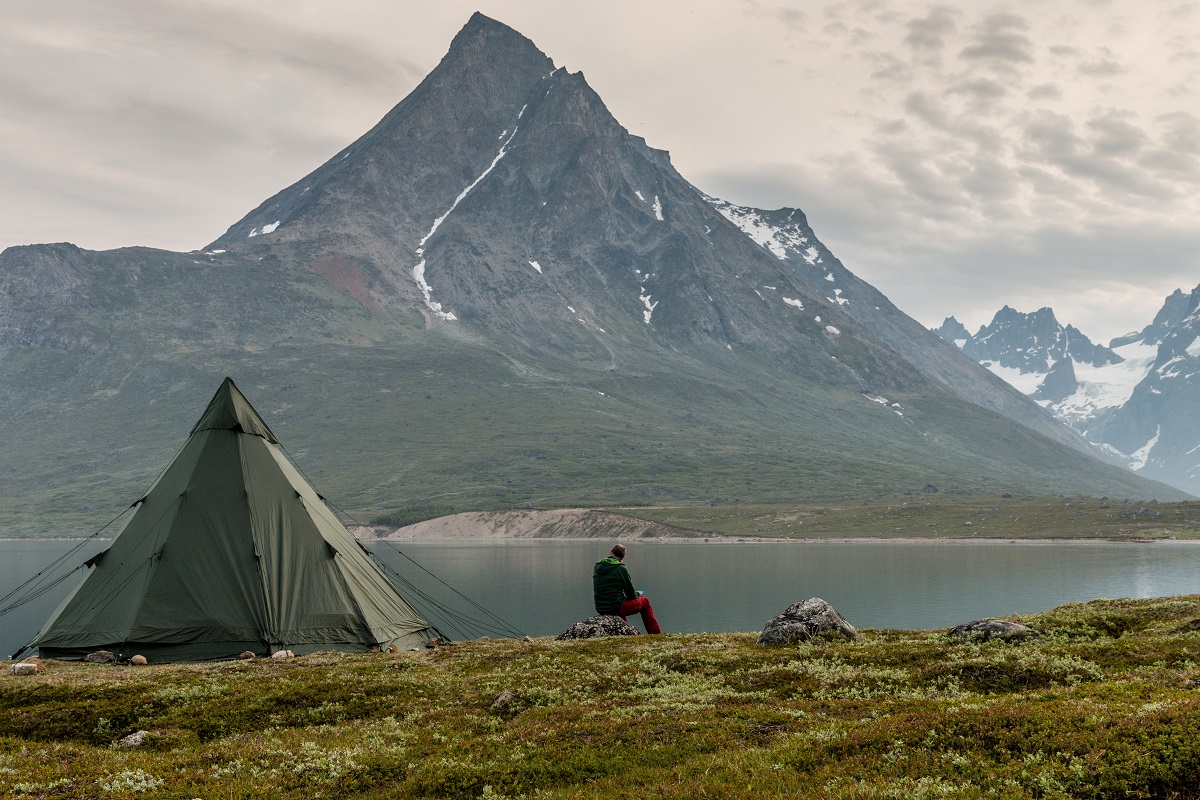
618,550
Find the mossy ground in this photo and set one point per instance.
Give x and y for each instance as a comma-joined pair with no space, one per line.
1097,707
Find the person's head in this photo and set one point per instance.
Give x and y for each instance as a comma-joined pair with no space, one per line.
618,552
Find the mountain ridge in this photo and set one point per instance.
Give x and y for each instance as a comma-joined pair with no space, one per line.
1134,398
514,301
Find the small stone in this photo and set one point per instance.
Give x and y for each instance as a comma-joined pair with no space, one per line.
528,640
597,627
283,654
436,641
503,700
135,739
138,661
100,657
485,638
988,629
247,655
24,668
808,619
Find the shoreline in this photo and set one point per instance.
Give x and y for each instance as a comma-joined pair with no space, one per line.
727,539
717,538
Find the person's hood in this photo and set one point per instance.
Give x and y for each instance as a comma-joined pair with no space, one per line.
606,565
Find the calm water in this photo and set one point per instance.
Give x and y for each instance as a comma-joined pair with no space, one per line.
543,587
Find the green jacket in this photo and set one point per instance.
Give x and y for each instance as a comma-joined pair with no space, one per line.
611,585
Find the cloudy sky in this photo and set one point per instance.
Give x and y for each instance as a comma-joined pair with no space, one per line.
959,156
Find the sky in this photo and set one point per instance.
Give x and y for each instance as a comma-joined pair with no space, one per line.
958,156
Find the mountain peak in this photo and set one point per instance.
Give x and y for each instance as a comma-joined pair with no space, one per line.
484,33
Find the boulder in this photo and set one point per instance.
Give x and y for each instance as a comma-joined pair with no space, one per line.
135,739
503,700
100,657
24,668
596,627
987,629
138,661
809,619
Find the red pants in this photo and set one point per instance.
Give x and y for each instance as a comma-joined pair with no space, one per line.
640,605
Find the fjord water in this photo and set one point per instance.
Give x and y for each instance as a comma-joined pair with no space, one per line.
541,587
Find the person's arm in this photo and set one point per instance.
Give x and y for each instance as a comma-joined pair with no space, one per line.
627,584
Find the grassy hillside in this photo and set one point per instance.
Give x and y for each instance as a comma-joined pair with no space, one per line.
1099,707
920,515
427,422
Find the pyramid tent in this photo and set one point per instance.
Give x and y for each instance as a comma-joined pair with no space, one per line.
231,550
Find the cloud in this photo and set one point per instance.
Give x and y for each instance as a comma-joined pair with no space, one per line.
927,36
1000,41
1045,91
982,94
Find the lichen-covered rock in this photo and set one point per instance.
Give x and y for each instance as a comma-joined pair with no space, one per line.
138,661
135,739
503,700
809,619
100,657
595,627
987,629
23,668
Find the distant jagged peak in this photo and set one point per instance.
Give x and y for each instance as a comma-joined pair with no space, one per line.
953,332
1177,308
1033,342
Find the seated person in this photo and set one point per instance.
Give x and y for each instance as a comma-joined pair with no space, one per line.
614,592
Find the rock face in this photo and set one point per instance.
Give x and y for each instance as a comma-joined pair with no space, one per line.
596,627
987,629
806,620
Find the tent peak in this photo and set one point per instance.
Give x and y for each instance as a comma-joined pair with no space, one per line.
229,410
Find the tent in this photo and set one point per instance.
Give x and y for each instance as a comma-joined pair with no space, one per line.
231,550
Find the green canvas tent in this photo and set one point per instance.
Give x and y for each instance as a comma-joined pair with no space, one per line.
231,550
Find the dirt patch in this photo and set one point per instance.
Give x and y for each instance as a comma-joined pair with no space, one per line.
346,276
529,524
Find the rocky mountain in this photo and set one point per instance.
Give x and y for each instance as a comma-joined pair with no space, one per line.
1136,398
499,297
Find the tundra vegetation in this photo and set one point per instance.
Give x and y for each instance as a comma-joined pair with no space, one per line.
1099,705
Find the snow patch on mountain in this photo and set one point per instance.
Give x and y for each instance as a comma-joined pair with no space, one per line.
427,292
768,236
1139,457
265,229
